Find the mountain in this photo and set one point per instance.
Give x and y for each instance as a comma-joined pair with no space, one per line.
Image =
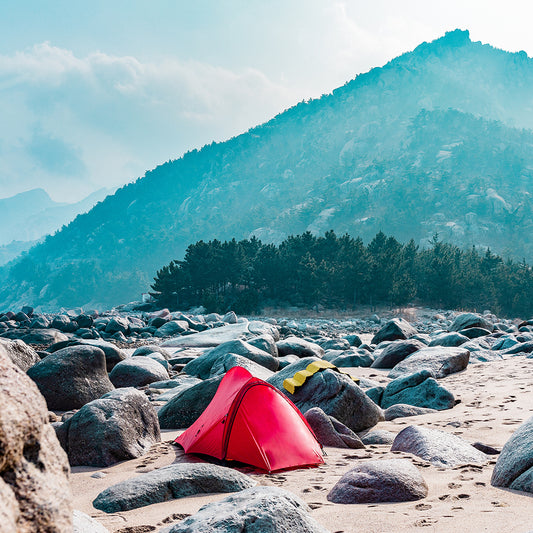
437,140
30,215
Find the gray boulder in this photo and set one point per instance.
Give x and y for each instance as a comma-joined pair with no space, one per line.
170,483
118,324
438,360
335,393
113,354
174,327
397,328
265,343
335,344
121,425
152,348
331,432
401,410
352,360
438,447
522,347
35,493
474,333
514,467
419,389
396,352
225,362
256,510
71,377
44,336
137,372
384,480
184,408
471,320
378,436
20,353
299,347
201,366
449,339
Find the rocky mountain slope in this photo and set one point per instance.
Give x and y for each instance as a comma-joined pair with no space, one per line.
437,140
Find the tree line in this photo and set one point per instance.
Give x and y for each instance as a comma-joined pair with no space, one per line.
342,272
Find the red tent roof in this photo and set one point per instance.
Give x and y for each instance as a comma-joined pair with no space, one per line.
250,421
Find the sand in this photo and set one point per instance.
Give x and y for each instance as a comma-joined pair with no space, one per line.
495,399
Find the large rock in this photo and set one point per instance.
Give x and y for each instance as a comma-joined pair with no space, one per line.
173,327
397,328
184,408
401,410
438,360
113,354
438,447
514,467
471,320
396,352
384,480
419,389
225,362
118,324
72,377
34,486
352,360
299,347
20,353
378,436
214,337
256,510
151,348
170,483
121,425
201,366
449,339
137,372
335,393
44,336
331,432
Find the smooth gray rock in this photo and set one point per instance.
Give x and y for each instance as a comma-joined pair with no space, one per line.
265,343
514,467
225,362
522,347
375,394
352,360
173,327
255,510
121,425
202,365
378,436
438,447
419,389
216,336
438,360
474,333
170,483
137,372
113,354
335,344
331,432
83,523
384,480
299,347
287,360
44,336
397,328
20,353
401,410
449,339
118,324
152,348
184,408
72,377
471,320
396,352
335,393
35,493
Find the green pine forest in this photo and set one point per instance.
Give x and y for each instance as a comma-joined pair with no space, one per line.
340,272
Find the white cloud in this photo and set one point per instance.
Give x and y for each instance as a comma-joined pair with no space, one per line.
120,116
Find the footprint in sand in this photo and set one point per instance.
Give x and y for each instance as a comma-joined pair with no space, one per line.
136,529
444,497
425,522
315,505
454,485
423,507
173,518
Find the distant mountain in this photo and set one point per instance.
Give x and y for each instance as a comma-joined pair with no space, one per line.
30,215
437,140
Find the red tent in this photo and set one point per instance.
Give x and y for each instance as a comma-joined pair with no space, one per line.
250,421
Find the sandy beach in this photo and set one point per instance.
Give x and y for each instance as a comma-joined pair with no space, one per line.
495,398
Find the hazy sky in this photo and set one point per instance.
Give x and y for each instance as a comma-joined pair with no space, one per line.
95,93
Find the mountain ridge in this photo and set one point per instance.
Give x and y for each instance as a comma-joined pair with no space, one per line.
328,163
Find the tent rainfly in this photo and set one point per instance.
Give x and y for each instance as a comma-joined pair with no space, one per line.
250,421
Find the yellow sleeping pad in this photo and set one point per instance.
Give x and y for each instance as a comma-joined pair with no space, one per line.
291,384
